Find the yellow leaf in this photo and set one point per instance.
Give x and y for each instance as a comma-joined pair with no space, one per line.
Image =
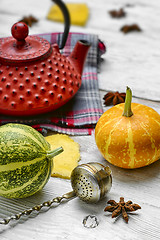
78,13
65,162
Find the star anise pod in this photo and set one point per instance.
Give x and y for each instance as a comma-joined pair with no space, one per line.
114,97
29,20
117,13
130,28
121,207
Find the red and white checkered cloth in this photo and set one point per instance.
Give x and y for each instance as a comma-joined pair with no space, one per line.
80,115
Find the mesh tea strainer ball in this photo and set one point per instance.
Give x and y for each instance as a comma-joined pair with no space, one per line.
91,181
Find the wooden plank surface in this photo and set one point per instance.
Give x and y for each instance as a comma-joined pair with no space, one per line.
130,60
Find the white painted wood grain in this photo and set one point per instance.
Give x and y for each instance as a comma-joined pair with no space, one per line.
131,60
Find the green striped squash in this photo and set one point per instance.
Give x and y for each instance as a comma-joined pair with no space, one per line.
25,160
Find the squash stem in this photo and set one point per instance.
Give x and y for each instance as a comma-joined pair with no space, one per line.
55,152
127,106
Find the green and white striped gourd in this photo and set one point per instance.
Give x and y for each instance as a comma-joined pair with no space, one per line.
25,160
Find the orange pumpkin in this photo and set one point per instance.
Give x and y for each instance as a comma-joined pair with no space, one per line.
129,139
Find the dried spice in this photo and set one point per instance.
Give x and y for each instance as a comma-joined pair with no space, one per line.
29,20
114,98
117,13
131,28
121,207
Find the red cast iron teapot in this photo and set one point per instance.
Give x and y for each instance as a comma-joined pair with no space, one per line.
34,77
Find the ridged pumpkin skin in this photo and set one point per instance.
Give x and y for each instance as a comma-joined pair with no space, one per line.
24,165
129,142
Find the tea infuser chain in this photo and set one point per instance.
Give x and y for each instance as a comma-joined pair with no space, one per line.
90,182
38,207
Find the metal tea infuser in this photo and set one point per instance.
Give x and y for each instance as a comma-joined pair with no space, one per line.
90,182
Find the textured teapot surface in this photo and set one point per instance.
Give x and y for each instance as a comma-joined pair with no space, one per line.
35,79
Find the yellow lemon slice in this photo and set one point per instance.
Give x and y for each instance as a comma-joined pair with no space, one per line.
65,162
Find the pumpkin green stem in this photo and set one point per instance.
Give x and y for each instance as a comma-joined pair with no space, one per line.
53,153
127,106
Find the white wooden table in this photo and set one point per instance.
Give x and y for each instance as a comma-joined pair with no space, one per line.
132,60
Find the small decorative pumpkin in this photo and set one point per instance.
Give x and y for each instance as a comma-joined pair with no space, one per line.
129,139
26,160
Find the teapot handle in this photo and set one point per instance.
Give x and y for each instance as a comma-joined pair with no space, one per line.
66,16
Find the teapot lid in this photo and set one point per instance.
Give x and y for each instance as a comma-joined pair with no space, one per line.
22,47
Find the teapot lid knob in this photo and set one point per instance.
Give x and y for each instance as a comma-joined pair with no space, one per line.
19,31
21,47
